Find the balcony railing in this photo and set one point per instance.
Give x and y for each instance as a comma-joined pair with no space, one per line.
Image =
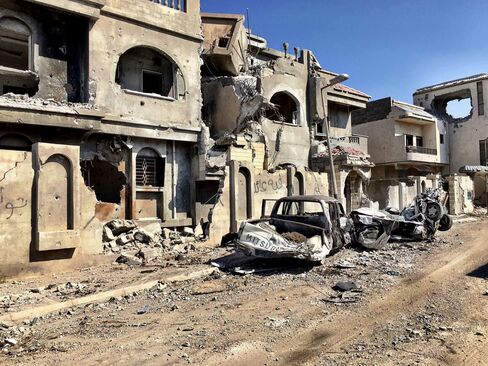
420,150
349,139
173,4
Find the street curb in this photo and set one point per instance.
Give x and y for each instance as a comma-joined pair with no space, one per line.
102,296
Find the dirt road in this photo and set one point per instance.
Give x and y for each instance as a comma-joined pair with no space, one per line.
418,303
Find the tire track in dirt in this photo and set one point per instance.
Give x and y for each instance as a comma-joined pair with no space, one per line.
406,298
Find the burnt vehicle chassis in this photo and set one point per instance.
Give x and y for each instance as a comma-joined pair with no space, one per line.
418,221
303,227
311,227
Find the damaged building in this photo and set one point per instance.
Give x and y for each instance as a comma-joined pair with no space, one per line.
413,159
100,118
265,112
466,133
153,112
431,144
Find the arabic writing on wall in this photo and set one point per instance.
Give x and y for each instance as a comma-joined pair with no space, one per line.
9,205
268,184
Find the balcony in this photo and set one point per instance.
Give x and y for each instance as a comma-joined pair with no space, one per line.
173,4
357,142
420,150
346,151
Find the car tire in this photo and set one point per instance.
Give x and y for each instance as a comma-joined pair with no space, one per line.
445,223
433,211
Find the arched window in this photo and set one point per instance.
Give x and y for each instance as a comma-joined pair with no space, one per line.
14,44
285,108
149,168
145,70
13,141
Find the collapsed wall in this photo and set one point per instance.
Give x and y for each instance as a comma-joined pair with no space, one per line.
256,143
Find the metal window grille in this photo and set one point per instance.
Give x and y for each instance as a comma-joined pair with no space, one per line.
174,4
146,171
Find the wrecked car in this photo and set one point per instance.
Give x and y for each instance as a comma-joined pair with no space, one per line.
418,221
311,227
302,227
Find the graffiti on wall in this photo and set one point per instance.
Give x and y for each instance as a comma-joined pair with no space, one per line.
11,206
268,184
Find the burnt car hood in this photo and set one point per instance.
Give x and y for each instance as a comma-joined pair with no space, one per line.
258,238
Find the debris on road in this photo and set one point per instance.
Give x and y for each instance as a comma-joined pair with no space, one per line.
346,286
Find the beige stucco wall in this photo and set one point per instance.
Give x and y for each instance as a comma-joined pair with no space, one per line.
378,131
461,194
18,228
386,143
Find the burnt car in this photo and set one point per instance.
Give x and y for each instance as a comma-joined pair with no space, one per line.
302,227
418,221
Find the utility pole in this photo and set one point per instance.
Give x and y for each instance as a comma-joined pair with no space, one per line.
336,80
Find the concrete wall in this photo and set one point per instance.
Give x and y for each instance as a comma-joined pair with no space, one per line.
111,36
376,131
290,77
228,99
460,194
57,54
97,34
388,189
28,240
76,46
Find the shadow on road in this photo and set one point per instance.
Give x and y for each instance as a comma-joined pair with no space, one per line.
480,272
239,263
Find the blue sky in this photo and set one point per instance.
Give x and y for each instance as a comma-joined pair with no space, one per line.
388,47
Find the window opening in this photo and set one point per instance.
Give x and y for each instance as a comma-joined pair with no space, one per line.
145,70
442,138
481,102
483,152
224,42
149,169
284,109
14,44
152,82
419,141
409,140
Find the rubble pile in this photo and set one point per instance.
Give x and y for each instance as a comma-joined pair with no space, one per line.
136,245
341,150
39,103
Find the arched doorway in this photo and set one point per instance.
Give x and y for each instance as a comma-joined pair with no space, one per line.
243,199
352,191
297,186
56,212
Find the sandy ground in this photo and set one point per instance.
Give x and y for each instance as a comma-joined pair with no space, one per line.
415,303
